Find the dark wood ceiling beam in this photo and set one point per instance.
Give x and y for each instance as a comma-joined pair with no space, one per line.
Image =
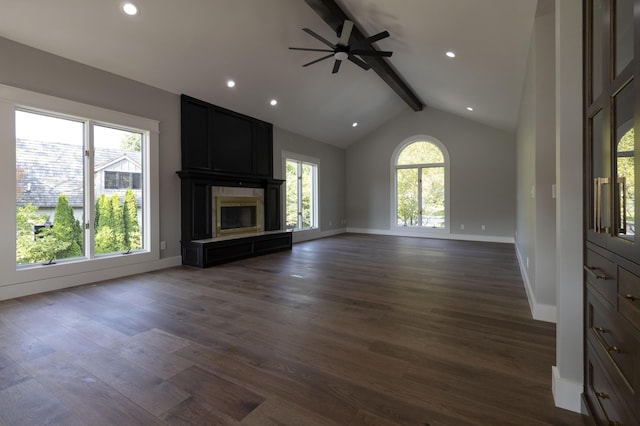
334,16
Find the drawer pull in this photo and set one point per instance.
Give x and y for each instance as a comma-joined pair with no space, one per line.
614,348
602,395
600,330
630,297
595,272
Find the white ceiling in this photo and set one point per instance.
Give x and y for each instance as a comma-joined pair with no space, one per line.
194,46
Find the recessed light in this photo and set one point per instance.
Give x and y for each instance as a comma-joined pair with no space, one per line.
231,83
469,108
451,54
273,102
354,125
130,9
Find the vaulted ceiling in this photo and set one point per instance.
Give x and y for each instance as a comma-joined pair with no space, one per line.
195,46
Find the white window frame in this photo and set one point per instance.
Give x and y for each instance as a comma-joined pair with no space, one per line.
74,270
315,201
419,230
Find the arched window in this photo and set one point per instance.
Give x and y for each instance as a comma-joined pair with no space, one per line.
421,184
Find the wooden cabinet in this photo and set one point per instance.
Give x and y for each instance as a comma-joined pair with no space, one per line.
612,249
205,253
221,141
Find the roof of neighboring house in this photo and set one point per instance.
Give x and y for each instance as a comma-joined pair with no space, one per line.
44,170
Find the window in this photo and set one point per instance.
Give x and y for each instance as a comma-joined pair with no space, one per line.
301,192
420,182
84,184
53,168
121,180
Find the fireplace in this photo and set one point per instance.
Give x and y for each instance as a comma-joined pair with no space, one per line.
237,215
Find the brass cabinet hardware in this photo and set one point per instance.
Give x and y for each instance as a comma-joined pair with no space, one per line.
595,272
630,297
614,348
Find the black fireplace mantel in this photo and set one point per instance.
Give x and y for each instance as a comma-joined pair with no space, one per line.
224,148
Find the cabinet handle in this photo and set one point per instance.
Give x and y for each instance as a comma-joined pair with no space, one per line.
630,297
600,330
597,204
595,272
602,395
614,348
621,195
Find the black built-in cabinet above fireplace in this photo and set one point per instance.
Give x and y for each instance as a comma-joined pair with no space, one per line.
224,148
222,141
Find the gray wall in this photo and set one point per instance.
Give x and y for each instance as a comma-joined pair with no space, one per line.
42,72
483,173
38,71
535,141
331,185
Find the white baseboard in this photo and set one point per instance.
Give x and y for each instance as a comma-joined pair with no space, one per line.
539,311
438,235
313,234
566,394
57,283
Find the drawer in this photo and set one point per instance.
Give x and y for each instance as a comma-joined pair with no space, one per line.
608,407
629,296
614,337
601,274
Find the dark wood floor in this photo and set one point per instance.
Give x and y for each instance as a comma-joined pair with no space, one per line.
349,330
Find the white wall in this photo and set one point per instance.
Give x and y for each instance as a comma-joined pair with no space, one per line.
535,142
483,174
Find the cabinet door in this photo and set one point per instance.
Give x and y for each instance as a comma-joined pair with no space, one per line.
232,143
624,174
262,149
196,134
272,207
613,109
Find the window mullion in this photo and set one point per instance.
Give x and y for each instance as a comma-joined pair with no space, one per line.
420,196
299,193
88,209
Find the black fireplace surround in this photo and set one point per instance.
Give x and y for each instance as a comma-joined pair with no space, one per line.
224,148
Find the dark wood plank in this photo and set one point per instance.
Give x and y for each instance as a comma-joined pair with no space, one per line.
216,393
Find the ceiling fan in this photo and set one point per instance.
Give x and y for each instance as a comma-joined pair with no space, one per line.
343,50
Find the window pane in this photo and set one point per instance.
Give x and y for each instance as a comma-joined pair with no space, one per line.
433,197
625,164
292,194
118,202
420,153
307,195
624,34
50,188
301,201
407,203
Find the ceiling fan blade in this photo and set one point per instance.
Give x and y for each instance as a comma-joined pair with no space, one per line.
319,37
310,50
336,66
359,62
318,60
369,40
346,32
371,53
